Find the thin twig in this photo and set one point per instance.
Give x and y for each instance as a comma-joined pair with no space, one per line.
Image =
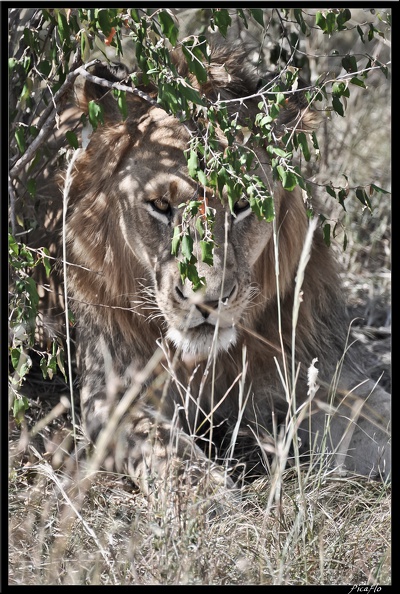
300,90
115,85
68,181
49,114
47,126
12,205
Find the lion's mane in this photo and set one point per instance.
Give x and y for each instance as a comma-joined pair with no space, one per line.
106,280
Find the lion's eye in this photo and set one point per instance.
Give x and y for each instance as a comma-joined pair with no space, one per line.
160,209
241,204
241,209
161,205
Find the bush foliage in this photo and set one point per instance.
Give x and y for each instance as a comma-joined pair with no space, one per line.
51,47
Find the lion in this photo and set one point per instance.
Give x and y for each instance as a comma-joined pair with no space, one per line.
232,374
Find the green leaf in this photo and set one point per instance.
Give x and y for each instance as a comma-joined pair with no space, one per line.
363,197
103,18
289,180
71,318
315,141
189,271
349,63
20,138
280,99
300,179
320,20
31,186
195,55
242,16
192,206
63,28
327,234
337,106
29,40
338,88
33,131
341,197
200,72
60,362
187,247
233,190
13,246
52,366
263,207
330,22
277,151
28,260
168,98
222,20
191,94
331,191
11,64
72,139
298,15
25,367
46,261
15,355
135,15
206,248
361,34
44,67
199,227
257,15
201,176
43,367
378,189
371,32
358,82
168,27
176,241
268,208
302,139
20,405
32,290
122,105
343,16
95,114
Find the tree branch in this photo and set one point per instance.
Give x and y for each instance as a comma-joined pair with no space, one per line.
114,85
46,120
49,115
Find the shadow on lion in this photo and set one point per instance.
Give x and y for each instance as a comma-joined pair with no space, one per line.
219,384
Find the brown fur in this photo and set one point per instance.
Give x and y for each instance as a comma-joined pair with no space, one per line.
109,234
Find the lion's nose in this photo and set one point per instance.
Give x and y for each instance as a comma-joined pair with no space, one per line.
206,306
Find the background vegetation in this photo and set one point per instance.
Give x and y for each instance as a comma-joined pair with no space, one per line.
61,532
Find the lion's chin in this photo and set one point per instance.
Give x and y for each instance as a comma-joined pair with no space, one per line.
200,341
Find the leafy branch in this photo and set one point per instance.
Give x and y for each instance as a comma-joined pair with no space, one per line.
57,45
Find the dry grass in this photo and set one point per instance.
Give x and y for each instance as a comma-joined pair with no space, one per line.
105,532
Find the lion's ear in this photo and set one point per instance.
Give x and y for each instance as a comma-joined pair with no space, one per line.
93,91
298,114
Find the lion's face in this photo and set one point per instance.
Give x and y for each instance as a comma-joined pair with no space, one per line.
152,184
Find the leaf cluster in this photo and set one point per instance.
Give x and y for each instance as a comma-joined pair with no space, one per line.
24,310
